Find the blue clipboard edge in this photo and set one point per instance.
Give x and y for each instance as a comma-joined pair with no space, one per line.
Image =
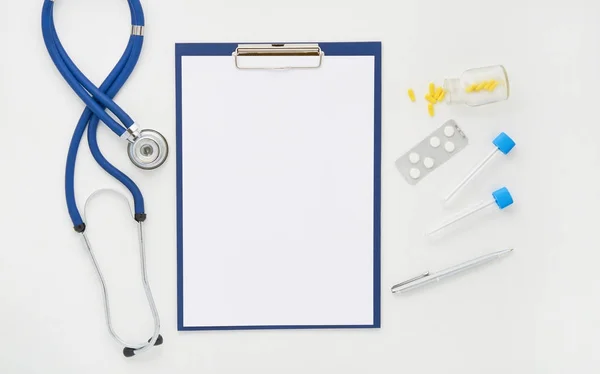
330,49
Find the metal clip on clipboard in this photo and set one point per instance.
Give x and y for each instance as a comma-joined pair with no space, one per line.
287,56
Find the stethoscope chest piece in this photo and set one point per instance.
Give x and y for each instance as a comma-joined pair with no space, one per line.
149,150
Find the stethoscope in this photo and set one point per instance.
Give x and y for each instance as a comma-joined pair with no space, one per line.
147,149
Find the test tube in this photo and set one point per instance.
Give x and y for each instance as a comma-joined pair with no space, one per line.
503,143
502,198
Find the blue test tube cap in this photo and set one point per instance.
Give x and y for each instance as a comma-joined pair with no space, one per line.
504,143
503,197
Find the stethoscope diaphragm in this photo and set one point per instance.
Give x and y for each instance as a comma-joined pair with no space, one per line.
149,150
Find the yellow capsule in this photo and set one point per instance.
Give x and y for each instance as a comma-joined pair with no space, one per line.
471,88
481,86
411,94
430,110
441,97
429,98
438,93
493,87
432,89
488,86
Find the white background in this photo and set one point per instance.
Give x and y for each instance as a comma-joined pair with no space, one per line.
536,311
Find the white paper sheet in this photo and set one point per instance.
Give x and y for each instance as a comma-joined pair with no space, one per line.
278,193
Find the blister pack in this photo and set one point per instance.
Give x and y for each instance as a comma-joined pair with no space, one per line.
432,152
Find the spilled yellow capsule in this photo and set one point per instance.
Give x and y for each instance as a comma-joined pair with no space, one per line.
438,93
429,98
481,86
411,94
432,89
441,97
430,110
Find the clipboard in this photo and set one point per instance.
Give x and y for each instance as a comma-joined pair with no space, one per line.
278,185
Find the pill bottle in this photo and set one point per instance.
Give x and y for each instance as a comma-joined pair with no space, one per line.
478,86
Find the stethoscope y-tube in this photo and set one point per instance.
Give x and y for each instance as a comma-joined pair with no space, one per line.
147,148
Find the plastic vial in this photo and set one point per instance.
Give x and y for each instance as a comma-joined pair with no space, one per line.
502,198
460,90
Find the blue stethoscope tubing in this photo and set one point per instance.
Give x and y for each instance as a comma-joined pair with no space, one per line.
96,100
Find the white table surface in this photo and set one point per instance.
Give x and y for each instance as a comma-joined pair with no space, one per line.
535,311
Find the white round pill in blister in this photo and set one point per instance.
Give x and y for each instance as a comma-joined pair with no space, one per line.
450,147
415,173
449,131
428,162
435,142
414,158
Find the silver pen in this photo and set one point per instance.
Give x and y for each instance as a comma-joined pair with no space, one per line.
427,278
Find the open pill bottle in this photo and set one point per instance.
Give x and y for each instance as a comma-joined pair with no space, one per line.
478,86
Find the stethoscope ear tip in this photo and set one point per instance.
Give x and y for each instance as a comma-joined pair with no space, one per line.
158,341
130,352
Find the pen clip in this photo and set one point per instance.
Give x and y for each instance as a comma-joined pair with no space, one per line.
425,274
